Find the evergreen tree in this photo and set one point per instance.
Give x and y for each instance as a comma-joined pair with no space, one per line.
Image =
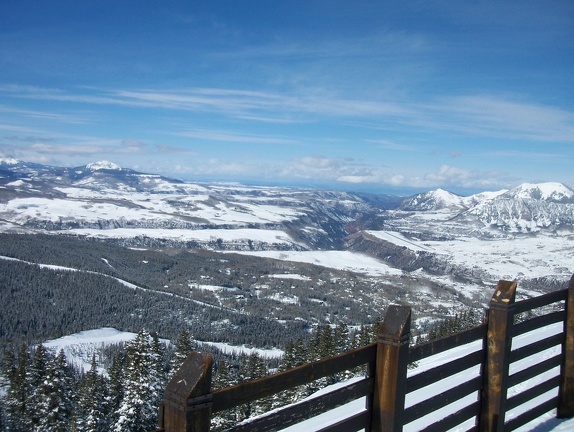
223,378
288,361
159,365
183,347
53,396
93,402
17,393
252,367
341,335
34,378
8,367
115,386
142,386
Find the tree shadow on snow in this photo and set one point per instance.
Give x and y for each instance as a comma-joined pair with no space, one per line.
549,425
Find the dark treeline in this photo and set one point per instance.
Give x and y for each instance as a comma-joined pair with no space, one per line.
43,303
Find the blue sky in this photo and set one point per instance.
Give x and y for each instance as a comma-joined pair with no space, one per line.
363,95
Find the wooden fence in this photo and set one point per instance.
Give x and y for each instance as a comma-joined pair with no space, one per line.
189,404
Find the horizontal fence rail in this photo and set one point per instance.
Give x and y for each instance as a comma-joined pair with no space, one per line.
477,395
431,376
257,389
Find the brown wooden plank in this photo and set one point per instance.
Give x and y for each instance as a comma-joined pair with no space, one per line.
538,322
355,423
454,419
299,412
252,390
391,370
433,375
498,347
534,370
566,405
532,392
441,400
536,347
531,414
428,349
539,301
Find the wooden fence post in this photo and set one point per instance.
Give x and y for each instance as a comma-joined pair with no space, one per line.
566,393
391,370
499,343
187,399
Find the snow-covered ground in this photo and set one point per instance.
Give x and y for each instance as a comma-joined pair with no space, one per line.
79,347
340,260
204,235
238,350
521,256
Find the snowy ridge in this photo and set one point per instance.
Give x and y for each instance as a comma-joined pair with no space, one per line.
103,165
549,191
9,161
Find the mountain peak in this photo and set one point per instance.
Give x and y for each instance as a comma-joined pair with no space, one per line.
549,191
103,165
8,161
432,200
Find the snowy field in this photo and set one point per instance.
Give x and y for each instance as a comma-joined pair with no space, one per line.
238,350
202,235
516,258
92,206
340,260
79,347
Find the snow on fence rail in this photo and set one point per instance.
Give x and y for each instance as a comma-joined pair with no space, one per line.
480,401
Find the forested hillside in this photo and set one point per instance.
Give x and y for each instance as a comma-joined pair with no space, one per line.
54,285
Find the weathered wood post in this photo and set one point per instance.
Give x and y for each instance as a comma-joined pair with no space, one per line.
391,370
499,343
566,393
187,400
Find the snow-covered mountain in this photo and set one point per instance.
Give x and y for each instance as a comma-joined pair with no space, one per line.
549,192
526,208
437,231
102,199
524,233
432,200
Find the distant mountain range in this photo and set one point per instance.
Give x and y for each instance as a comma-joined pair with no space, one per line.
526,208
103,200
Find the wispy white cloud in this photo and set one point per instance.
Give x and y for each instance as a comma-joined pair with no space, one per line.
499,117
493,116
46,115
390,145
232,137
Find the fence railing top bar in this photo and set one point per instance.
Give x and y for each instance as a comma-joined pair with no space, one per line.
446,343
540,301
256,389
